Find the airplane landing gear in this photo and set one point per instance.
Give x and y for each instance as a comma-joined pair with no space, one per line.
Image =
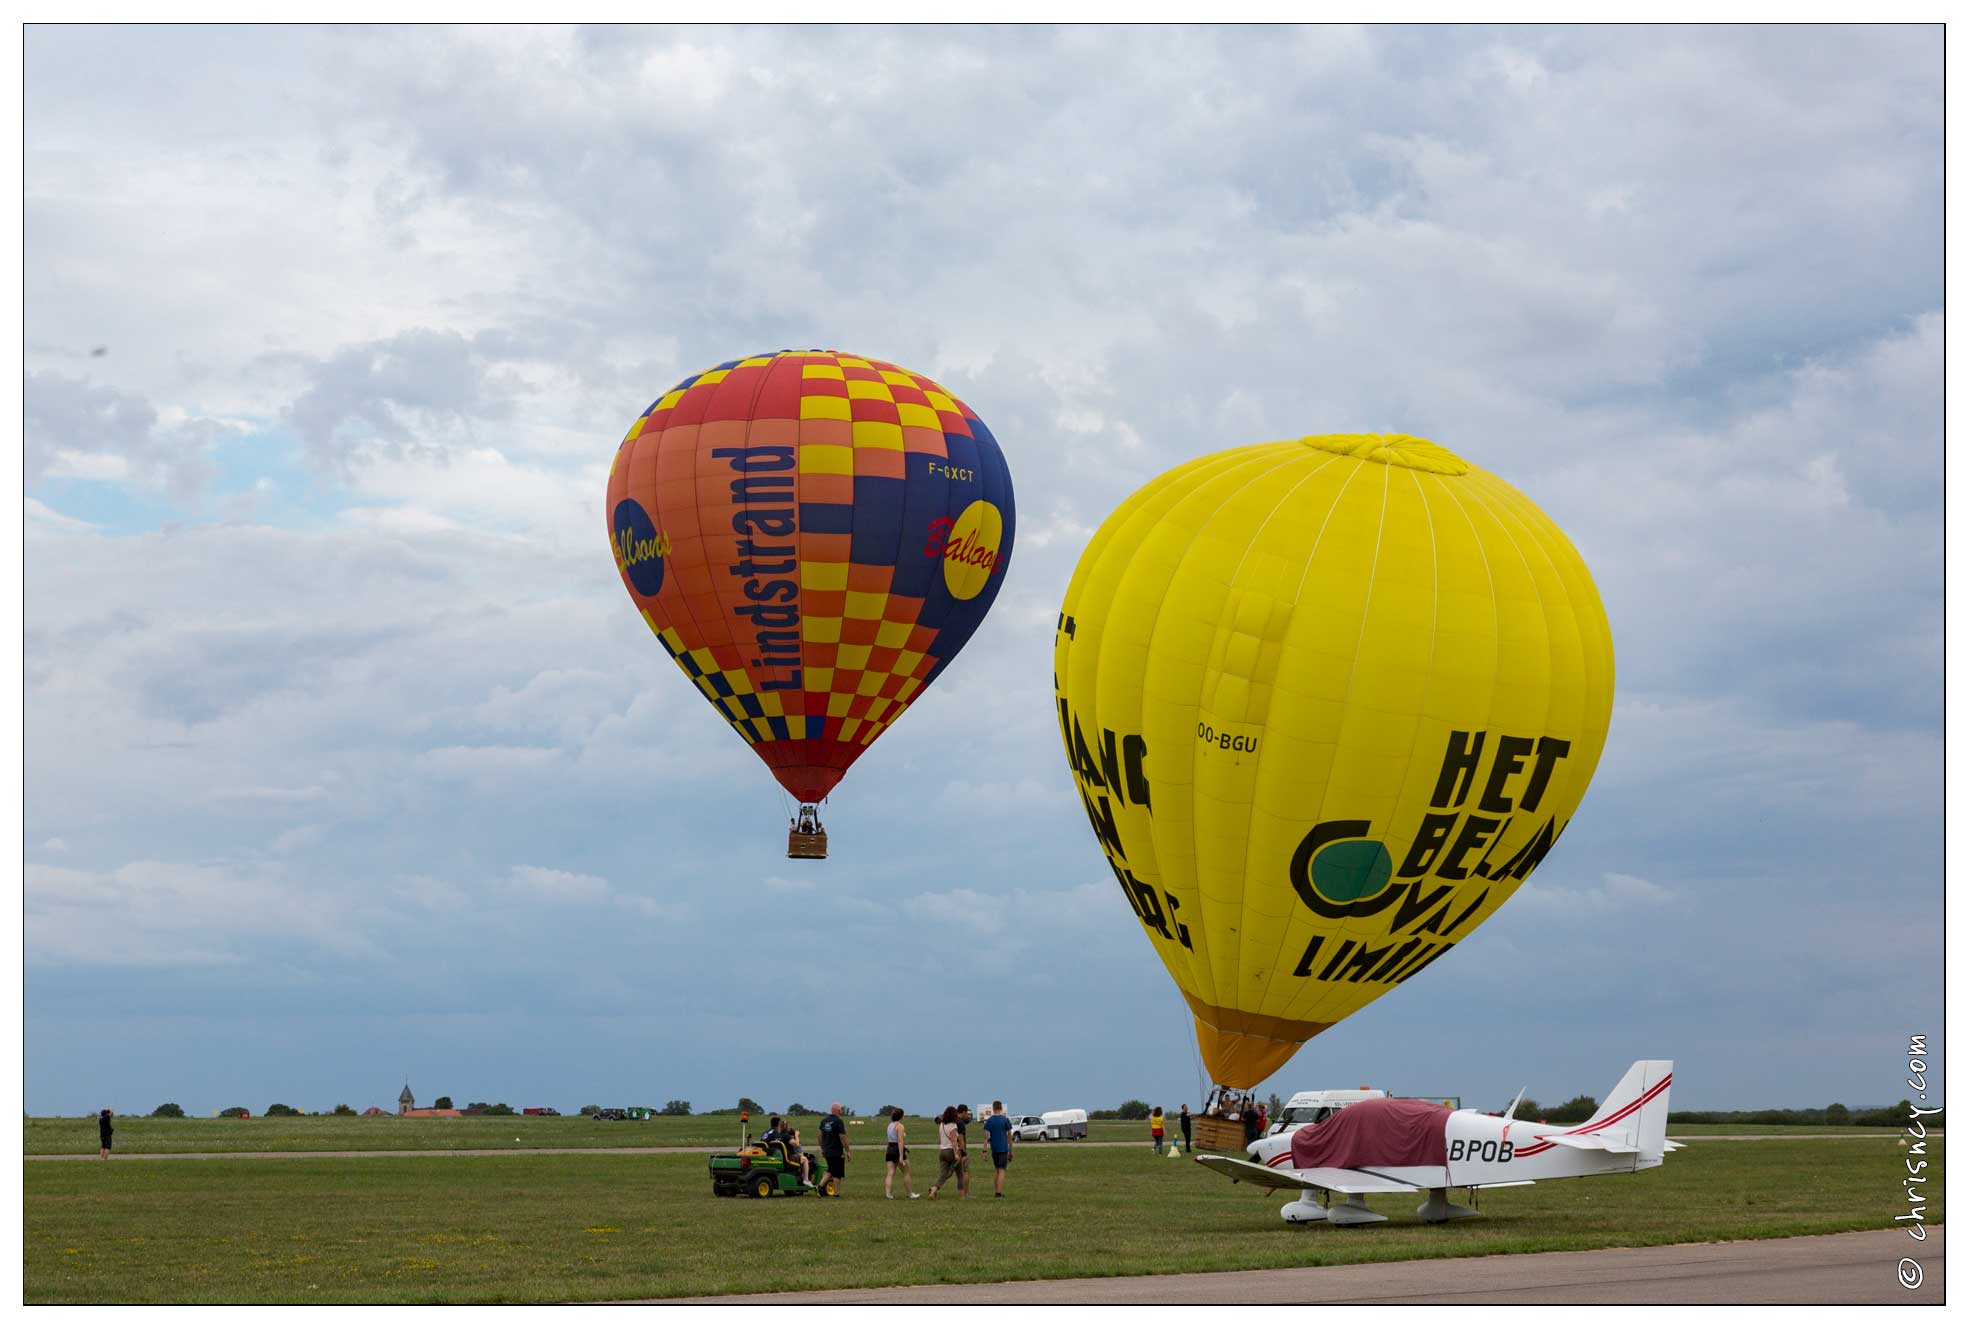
1305,1209
1352,1211
1438,1209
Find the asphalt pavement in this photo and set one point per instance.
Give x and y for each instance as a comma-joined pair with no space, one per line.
1851,1268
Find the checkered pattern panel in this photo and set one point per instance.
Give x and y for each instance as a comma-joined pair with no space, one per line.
870,457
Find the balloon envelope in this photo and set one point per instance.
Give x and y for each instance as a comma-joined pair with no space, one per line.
1328,702
812,536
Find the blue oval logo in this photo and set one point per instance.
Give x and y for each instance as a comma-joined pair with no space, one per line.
639,546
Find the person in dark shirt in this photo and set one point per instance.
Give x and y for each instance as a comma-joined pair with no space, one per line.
773,1131
105,1128
998,1130
964,1159
833,1148
1184,1122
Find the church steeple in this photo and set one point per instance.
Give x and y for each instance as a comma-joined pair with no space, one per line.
405,1101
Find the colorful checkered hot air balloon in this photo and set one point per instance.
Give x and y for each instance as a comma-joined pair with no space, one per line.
812,536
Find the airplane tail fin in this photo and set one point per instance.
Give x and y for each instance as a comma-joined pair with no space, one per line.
1634,1113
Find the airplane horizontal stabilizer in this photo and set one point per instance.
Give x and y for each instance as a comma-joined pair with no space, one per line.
1597,1142
1319,1178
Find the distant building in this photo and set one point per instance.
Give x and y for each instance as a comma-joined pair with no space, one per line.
406,1107
375,1112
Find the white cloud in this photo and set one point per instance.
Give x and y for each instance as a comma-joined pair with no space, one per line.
180,915
43,520
297,838
1615,890
557,884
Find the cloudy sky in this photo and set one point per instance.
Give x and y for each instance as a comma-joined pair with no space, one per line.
349,761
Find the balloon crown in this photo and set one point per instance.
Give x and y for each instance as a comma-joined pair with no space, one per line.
1417,454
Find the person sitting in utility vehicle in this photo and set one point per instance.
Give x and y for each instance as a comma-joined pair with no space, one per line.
791,1139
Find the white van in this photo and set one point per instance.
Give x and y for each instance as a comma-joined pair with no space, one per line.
1318,1104
1065,1124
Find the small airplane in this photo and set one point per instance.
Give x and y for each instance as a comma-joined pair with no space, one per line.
1386,1145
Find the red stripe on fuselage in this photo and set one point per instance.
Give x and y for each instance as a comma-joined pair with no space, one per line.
1606,1121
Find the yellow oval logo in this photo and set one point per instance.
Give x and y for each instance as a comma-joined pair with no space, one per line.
968,548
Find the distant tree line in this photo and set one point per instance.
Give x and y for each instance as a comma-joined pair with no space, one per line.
1579,1108
1833,1114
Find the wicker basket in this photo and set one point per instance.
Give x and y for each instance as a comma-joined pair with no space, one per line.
1217,1135
806,844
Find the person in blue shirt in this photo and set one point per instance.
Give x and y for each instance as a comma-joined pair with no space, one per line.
998,1130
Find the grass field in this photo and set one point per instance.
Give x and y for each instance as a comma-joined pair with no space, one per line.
591,1227
167,1135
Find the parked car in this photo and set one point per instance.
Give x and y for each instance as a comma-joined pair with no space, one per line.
1028,1128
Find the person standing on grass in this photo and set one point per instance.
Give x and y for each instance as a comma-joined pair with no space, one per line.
1155,1129
897,1156
104,1129
950,1151
998,1130
833,1148
1184,1122
964,1156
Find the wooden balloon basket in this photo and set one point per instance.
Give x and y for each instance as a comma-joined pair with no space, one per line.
1217,1135
807,838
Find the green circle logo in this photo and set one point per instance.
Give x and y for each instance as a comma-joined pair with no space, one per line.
1352,870
1340,873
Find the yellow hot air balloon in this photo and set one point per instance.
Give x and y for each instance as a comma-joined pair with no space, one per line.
1328,702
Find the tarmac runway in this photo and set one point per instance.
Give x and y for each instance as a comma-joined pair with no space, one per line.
1851,1268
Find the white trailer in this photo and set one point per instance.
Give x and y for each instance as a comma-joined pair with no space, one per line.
1065,1124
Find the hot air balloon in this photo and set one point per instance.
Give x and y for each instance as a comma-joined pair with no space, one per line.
812,536
1328,702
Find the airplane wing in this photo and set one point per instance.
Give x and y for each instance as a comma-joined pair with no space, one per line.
1318,1178
1670,1145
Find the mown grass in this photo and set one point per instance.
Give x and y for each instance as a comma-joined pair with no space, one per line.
166,1135
182,1135
601,1226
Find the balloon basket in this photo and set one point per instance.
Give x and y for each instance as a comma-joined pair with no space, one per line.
807,838
1217,1135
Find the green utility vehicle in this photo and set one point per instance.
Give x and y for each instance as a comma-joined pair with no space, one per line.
763,1171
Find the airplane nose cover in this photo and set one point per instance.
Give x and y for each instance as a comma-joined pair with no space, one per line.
1381,1132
